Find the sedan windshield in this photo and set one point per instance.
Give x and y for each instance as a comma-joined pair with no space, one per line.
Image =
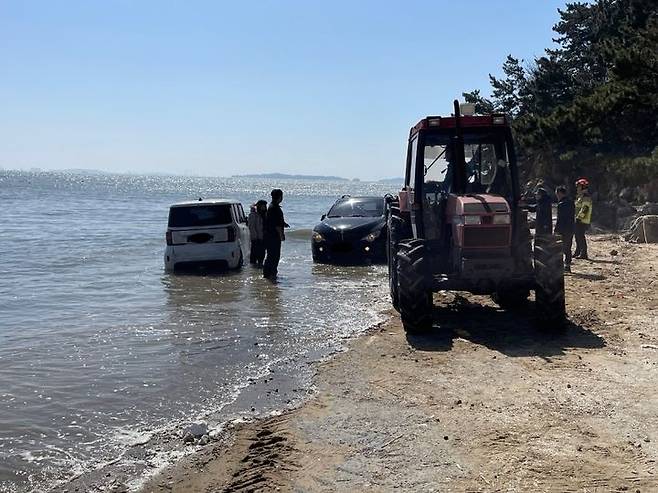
358,207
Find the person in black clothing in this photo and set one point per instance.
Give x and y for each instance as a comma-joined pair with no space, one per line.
544,217
274,235
565,224
256,223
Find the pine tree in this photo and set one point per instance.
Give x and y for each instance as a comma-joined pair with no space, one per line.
590,104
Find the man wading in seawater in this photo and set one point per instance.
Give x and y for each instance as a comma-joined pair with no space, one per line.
274,235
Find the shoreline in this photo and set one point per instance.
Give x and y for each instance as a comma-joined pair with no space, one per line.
274,393
488,403
247,445
235,437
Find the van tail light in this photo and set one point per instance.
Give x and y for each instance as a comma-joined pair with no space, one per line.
231,234
169,238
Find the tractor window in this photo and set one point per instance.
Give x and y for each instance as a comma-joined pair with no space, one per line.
486,163
488,169
412,162
481,163
435,162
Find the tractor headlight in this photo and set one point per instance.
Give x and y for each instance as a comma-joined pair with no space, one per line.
472,220
501,219
317,237
373,236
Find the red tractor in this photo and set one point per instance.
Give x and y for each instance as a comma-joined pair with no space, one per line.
457,224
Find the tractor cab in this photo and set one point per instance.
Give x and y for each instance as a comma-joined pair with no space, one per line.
460,189
458,216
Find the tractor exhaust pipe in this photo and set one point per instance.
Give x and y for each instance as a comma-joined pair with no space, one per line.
460,177
457,109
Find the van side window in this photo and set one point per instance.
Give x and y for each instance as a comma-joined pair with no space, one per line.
243,217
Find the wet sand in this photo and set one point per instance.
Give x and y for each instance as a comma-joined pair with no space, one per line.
487,402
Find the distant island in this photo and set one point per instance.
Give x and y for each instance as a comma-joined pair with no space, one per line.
284,176
84,171
268,176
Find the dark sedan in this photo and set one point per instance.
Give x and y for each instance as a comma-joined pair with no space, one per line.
353,230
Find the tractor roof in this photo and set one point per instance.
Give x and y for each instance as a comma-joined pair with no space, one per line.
468,121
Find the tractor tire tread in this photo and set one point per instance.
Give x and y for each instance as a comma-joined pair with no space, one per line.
549,277
415,300
397,230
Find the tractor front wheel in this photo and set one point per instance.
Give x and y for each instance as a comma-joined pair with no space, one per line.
397,230
414,298
549,278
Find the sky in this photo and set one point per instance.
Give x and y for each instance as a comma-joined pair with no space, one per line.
220,88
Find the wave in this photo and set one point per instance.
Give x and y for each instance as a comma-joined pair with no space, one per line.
299,234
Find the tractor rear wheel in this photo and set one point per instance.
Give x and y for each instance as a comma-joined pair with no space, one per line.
414,298
397,229
549,278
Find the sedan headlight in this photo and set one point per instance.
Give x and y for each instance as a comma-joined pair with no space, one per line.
501,219
317,237
373,236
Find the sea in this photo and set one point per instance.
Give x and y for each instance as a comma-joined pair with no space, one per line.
105,357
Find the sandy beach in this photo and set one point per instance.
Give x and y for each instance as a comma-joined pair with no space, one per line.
486,403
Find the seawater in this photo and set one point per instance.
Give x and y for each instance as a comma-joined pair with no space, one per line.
101,350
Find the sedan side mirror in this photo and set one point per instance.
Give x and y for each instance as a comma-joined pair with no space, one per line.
324,216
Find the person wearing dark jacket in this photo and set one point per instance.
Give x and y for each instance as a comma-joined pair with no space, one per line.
274,235
256,223
544,213
565,224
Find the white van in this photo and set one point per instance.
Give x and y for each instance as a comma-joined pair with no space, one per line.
209,232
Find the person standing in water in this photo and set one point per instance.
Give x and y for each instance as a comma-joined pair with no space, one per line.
256,222
274,235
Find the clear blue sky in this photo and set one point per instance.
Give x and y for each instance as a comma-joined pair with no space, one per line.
219,88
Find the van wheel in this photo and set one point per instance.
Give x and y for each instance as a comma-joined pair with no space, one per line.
414,297
549,277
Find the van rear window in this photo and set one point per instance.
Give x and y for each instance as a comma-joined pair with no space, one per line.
200,215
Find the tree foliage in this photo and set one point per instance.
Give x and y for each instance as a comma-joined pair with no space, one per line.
589,106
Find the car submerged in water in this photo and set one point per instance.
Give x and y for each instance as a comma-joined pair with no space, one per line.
352,231
206,234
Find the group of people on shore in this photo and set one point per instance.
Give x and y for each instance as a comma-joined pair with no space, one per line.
267,230
573,218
